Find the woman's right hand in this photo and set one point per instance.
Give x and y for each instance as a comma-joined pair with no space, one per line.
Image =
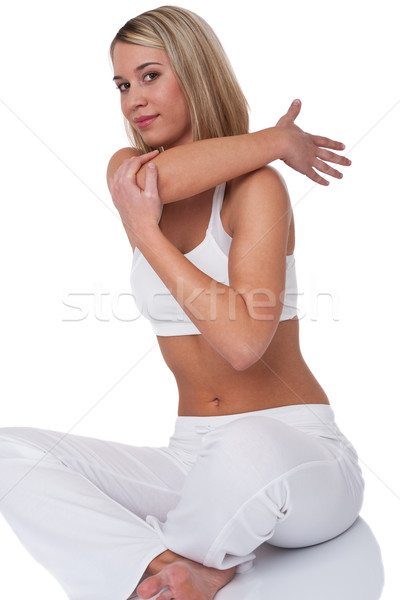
306,152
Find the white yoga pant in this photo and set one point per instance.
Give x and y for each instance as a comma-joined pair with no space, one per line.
95,513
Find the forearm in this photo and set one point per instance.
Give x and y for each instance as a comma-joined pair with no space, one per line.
190,169
217,310
187,170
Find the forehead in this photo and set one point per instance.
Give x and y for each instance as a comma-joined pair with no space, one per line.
128,57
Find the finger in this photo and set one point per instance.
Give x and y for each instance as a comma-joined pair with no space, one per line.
325,142
292,113
332,157
294,110
142,158
148,155
135,163
324,168
313,175
150,188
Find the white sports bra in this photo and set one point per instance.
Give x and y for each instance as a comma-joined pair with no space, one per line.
157,304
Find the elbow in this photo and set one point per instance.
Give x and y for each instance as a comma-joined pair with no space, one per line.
249,350
251,339
242,365
246,356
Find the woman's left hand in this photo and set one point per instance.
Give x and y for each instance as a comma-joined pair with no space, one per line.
140,210
307,152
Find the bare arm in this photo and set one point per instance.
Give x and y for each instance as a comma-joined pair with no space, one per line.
193,168
240,319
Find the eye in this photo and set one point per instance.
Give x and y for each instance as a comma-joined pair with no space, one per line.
122,87
150,76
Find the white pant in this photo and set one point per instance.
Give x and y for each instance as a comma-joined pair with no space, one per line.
95,513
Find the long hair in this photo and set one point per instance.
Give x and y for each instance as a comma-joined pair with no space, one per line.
216,102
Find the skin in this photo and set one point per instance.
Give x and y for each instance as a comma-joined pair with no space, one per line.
246,363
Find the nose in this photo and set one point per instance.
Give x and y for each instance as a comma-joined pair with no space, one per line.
135,98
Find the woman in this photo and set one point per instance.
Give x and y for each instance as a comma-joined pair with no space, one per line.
256,455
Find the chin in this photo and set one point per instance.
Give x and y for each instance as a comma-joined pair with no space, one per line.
153,141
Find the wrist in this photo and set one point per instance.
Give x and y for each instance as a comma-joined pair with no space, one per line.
147,235
282,141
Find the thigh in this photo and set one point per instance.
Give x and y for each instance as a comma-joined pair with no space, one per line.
322,500
259,479
307,474
142,479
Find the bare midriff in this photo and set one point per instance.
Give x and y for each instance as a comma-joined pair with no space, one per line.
209,386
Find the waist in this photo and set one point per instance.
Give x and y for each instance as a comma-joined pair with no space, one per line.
208,385
243,392
217,407
297,415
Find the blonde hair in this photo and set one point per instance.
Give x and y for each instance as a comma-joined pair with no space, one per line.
216,102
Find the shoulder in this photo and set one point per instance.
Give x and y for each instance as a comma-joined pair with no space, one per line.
262,193
118,158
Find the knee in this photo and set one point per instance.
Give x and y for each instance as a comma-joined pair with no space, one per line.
8,435
20,455
17,442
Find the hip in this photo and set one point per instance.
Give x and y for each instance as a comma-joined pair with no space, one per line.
313,420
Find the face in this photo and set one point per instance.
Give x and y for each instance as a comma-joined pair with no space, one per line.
151,98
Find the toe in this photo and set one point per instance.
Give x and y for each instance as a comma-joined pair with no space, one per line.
150,587
164,594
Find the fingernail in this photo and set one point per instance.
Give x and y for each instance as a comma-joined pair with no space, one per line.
296,102
151,166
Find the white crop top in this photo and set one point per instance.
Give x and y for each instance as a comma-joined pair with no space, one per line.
157,304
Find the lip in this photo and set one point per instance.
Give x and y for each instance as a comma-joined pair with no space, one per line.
145,121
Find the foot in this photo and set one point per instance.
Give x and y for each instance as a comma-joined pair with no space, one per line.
185,580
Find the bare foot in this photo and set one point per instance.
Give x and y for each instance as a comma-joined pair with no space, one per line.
186,580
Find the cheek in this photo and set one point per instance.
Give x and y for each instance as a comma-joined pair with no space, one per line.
182,109
123,105
179,100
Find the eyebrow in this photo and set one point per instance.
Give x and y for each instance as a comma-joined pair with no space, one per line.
139,68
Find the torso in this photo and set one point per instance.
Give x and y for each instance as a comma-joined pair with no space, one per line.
208,385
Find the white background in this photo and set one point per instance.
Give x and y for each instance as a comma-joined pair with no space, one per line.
60,235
